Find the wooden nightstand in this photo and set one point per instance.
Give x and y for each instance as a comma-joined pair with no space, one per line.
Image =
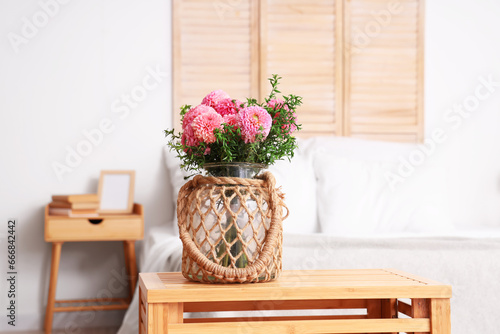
120,227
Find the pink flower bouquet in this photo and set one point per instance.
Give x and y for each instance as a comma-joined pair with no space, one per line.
222,129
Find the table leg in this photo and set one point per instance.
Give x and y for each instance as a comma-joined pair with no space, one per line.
54,269
390,309
130,265
440,316
420,309
162,314
373,309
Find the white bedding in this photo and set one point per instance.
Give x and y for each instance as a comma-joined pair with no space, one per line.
469,261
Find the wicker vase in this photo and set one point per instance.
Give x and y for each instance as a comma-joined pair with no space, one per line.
230,225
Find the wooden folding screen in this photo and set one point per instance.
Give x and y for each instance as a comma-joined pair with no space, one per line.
384,69
301,41
357,63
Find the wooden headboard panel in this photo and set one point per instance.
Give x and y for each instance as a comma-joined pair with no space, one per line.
358,64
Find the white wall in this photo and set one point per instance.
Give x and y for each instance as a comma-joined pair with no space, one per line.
60,83
461,46
65,79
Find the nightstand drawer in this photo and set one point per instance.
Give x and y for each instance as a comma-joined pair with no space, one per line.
92,229
102,228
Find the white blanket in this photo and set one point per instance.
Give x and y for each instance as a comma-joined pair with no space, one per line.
470,263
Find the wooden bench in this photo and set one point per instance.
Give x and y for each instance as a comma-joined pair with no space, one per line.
374,294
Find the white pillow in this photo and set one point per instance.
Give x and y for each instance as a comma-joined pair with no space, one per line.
298,182
175,173
176,176
354,196
361,149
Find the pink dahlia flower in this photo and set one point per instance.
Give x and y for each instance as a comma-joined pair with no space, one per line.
253,121
193,113
214,97
227,107
188,138
205,124
232,120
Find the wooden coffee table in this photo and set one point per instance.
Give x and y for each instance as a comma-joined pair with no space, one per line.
377,293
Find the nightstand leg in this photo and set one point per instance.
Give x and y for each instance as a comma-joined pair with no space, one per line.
54,269
130,264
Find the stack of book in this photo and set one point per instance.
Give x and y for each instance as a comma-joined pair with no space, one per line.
85,205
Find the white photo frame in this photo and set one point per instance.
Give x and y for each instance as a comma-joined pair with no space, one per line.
116,191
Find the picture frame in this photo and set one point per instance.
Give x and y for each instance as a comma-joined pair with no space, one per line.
116,191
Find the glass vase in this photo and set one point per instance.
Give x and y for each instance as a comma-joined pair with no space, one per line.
235,219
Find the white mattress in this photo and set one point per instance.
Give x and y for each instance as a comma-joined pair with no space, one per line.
468,260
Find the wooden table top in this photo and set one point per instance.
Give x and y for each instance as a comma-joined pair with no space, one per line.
296,285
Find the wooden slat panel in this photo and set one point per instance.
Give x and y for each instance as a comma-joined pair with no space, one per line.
384,93
274,305
336,286
385,129
283,318
95,300
420,70
417,278
404,308
309,134
142,308
90,308
396,137
299,41
215,46
177,63
142,314
306,326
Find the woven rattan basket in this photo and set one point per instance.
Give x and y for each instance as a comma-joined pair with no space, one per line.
231,229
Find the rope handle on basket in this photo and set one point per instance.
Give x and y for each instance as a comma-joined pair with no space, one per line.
265,257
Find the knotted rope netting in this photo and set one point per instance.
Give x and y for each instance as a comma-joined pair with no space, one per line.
231,229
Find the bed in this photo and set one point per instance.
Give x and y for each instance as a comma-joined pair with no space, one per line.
345,214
